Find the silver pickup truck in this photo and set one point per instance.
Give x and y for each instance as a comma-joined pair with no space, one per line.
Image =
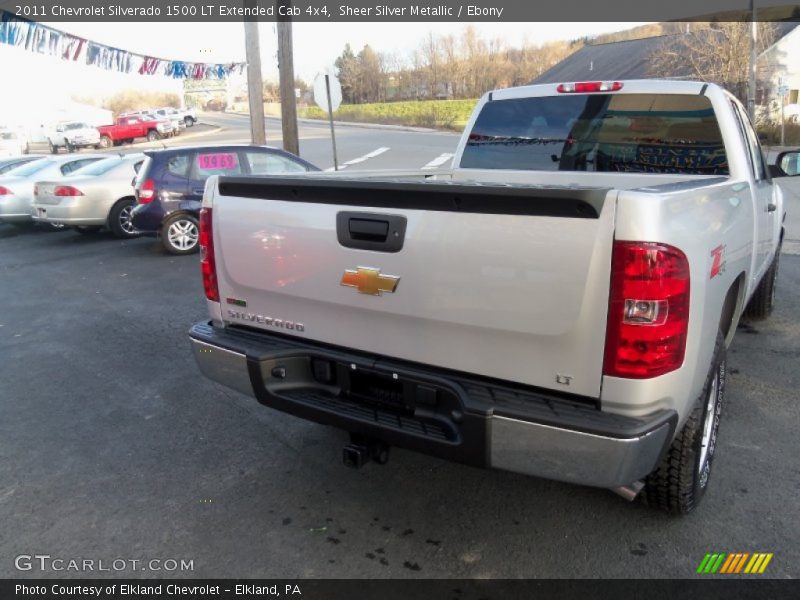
559,303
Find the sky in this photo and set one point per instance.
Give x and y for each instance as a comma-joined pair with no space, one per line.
316,46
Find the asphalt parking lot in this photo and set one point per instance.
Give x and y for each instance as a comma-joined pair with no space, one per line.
112,445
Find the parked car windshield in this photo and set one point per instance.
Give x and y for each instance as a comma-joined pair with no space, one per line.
29,169
8,135
635,133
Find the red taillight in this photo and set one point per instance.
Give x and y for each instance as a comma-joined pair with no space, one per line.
648,310
207,264
582,87
4,191
67,190
146,191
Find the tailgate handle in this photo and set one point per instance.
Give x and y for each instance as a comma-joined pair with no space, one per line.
368,229
371,231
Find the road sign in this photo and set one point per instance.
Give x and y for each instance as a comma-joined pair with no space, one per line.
321,93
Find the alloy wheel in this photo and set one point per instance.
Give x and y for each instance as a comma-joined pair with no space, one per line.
182,235
126,220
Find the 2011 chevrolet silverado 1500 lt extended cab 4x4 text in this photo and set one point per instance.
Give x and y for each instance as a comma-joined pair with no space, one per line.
559,303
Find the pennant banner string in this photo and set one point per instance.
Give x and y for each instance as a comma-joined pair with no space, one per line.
35,37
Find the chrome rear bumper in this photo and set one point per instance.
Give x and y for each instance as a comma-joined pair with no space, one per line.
577,451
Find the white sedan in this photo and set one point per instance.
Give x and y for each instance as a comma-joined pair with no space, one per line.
17,185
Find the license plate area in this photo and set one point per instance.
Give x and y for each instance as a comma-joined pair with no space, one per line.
366,385
378,389
361,393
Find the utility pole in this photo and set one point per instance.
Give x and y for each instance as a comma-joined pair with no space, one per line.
751,91
291,143
255,86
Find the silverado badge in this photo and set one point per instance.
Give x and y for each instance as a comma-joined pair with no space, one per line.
368,280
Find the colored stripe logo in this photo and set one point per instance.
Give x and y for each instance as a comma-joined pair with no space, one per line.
735,563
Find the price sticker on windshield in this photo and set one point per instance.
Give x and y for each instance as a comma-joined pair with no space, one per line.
223,161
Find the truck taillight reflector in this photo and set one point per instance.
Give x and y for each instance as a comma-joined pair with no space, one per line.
146,192
648,310
582,87
207,263
4,191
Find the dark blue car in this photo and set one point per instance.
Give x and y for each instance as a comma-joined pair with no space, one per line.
169,186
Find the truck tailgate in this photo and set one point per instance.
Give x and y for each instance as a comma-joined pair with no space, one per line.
505,282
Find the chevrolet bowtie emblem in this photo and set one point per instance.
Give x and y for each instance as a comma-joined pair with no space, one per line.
369,281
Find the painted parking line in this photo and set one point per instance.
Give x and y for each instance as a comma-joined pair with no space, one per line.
367,156
360,159
438,161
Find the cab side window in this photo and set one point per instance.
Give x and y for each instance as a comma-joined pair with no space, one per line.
757,162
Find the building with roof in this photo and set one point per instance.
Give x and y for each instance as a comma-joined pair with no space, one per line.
778,65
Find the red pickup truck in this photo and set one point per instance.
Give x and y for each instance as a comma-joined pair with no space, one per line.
127,129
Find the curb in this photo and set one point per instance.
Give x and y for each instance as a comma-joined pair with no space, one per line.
357,124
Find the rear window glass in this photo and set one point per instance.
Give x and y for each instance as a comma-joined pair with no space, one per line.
633,133
207,164
99,167
30,168
70,167
141,171
5,167
8,135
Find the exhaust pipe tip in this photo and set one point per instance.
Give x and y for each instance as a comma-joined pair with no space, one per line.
629,492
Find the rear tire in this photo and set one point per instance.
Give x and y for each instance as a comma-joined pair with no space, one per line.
189,121
53,148
180,234
105,142
120,219
152,135
681,480
763,300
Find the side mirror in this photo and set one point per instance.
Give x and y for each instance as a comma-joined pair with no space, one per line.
788,164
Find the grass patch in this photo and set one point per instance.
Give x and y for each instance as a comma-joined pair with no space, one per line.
770,134
443,114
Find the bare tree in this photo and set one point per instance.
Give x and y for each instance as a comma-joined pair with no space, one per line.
430,54
715,52
371,75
